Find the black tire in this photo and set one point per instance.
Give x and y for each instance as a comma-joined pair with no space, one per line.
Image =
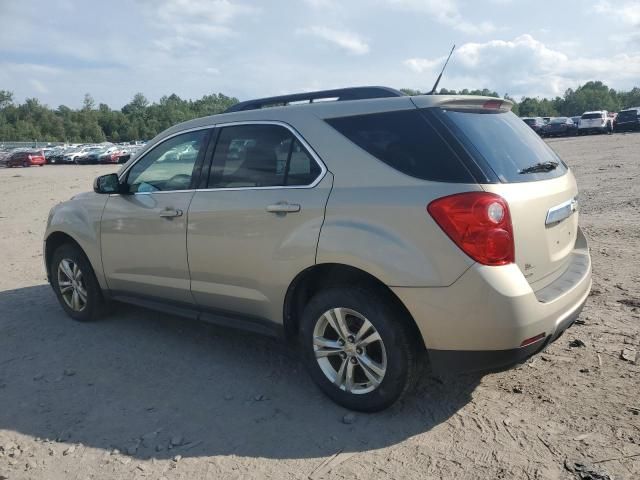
400,345
95,305
25,164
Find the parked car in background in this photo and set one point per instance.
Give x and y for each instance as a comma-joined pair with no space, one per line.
54,155
628,120
114,155
71,154
536,123
485,265
89,155
4,155
595,122
561,127
26,158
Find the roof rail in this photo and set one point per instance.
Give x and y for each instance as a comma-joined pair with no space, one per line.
340,94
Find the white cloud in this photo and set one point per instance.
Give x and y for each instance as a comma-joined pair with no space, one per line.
526,66
321,3
203,12
346,40
422,64
626,12
446,12
190,24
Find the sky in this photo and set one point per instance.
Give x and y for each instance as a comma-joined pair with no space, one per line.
58,50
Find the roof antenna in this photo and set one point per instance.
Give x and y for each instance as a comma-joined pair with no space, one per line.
435,85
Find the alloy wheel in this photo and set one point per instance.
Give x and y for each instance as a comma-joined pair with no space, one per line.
349,351
71,285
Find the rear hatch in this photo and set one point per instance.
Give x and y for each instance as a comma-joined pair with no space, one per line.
592,120
557,125
517,165
627,116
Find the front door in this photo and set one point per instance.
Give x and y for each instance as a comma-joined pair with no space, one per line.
143,232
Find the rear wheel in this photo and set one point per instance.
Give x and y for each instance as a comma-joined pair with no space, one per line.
75,284
26,164
358,348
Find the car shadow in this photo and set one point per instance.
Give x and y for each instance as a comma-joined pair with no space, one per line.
156,386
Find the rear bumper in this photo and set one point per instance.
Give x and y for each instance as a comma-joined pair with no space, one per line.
481,321
461,361
627,127
593,129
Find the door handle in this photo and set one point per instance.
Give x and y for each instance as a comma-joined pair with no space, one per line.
171,213
283,207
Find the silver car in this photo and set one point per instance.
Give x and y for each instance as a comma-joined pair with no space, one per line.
376,231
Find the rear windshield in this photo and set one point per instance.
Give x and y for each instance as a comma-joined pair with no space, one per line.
559,120
629,114
501,142
591,116
530,121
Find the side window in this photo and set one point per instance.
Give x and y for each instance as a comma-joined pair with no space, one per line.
260,156
405,141
169,166
303,169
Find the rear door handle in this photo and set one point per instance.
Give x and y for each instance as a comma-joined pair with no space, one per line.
171,213
284,207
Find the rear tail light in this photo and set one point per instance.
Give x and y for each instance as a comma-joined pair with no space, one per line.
479,223
492,104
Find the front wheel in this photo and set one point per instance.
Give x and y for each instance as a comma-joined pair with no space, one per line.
358,348
75,284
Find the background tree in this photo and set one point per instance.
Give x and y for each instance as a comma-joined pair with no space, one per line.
140,119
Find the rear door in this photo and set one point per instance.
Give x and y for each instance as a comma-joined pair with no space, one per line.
256,223
538,186
143,232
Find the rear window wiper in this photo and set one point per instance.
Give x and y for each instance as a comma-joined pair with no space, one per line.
540,167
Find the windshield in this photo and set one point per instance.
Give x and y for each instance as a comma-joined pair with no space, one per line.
591,116
628,114
505,144
529,121
559,120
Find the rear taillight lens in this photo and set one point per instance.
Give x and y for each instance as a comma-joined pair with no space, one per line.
479,223
492,104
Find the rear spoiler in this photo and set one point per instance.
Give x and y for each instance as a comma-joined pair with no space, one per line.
494,104
464,103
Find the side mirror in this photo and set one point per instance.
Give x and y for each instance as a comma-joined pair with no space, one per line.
109,183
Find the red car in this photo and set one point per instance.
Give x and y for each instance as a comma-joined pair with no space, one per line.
114,156
26,159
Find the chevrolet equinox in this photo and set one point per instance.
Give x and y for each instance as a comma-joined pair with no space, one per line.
371,229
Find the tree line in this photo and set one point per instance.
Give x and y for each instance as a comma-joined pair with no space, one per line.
141,120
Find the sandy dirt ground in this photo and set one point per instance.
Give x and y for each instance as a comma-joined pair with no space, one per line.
146,395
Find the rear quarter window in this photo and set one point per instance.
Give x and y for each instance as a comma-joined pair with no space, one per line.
407,142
